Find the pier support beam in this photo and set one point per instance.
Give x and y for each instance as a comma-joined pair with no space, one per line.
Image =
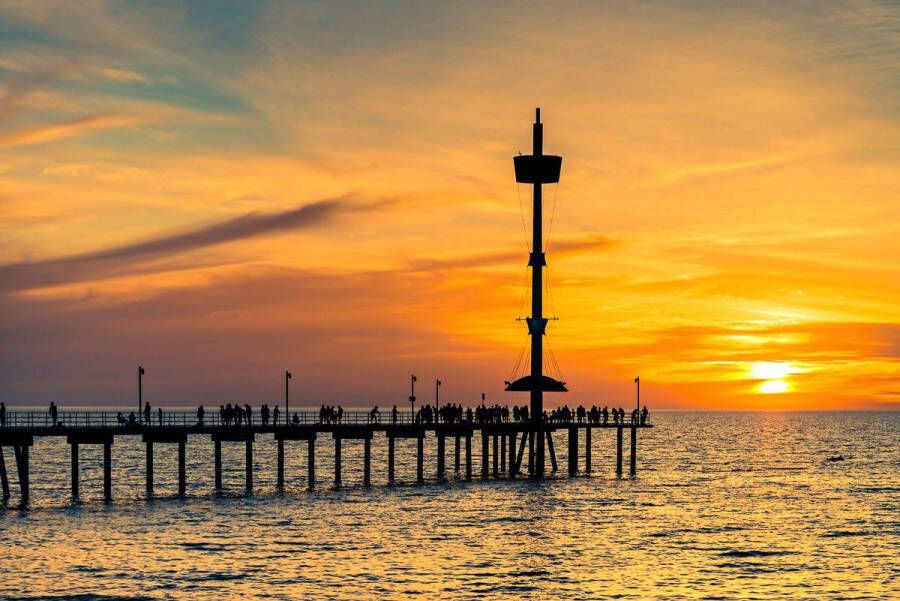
496,450
337,462
587,450
503,453
513,436
279,471
218,464
539,458
367,462
440,456
553,465
390,459
633,466
469,457
248,464
456,453
75,471
525,439
182,468
573,450
619,451
531,453
311,463
107,472
4,478
484,455
149,473
21,452
420,458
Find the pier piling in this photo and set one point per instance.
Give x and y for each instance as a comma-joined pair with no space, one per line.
75,470
218,464
496,457
390,459
440,456
484,455
337,462
149,472
4,478
619,450
420,458
553,466
107,472
311,463
21,452
182,468
587,450
280,465
503,453
469,457
573,450
456,455
367,462
248,464
633,467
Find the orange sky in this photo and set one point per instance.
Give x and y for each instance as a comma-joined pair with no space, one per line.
222,194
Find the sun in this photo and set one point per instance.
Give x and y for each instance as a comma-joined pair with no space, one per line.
774,376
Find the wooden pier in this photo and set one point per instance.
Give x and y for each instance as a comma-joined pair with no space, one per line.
502,445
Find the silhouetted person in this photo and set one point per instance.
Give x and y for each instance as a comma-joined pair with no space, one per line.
132,420
54,412
201,413
296,419
2,414
644,413
147,413
159,414
275,413
374,414
248,413
394,414
120,419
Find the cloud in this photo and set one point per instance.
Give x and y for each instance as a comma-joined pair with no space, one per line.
124,259
561,247
47,133
116,74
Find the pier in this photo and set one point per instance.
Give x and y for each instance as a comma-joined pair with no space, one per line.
502,445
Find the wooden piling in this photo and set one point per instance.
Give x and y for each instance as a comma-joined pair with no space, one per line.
182,468
75,470
311,463
218,463
440,456
525,440
484,454
279,475
367,462
553,466
587,450
22,467
573,450
539,456
503,453
390,459
456,453
531,461
107,472
420,458
513,436
496,450
4,478
337,461
633,469
149,472
469,457
619,450
248,464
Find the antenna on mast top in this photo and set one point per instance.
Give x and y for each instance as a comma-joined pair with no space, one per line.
537,115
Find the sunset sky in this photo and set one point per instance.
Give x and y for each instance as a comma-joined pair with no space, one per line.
222,191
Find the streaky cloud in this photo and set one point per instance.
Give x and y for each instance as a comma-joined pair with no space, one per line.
125,259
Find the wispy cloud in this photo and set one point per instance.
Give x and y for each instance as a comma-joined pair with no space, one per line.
123,259
47,133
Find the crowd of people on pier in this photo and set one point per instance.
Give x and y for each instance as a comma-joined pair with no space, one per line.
449,413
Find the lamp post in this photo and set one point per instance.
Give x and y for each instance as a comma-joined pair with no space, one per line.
412,398
287,415
140,393
637,381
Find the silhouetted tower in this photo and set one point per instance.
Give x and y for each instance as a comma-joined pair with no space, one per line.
537,169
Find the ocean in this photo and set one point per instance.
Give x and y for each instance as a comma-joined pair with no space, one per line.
725,505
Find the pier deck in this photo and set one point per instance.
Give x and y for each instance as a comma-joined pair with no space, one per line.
502,443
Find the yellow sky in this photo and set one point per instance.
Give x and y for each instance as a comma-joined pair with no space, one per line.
224,194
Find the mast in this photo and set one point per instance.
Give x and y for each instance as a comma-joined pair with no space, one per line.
537,169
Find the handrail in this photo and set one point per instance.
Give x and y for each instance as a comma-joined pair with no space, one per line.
186,419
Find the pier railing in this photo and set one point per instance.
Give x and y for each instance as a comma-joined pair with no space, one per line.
189,419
